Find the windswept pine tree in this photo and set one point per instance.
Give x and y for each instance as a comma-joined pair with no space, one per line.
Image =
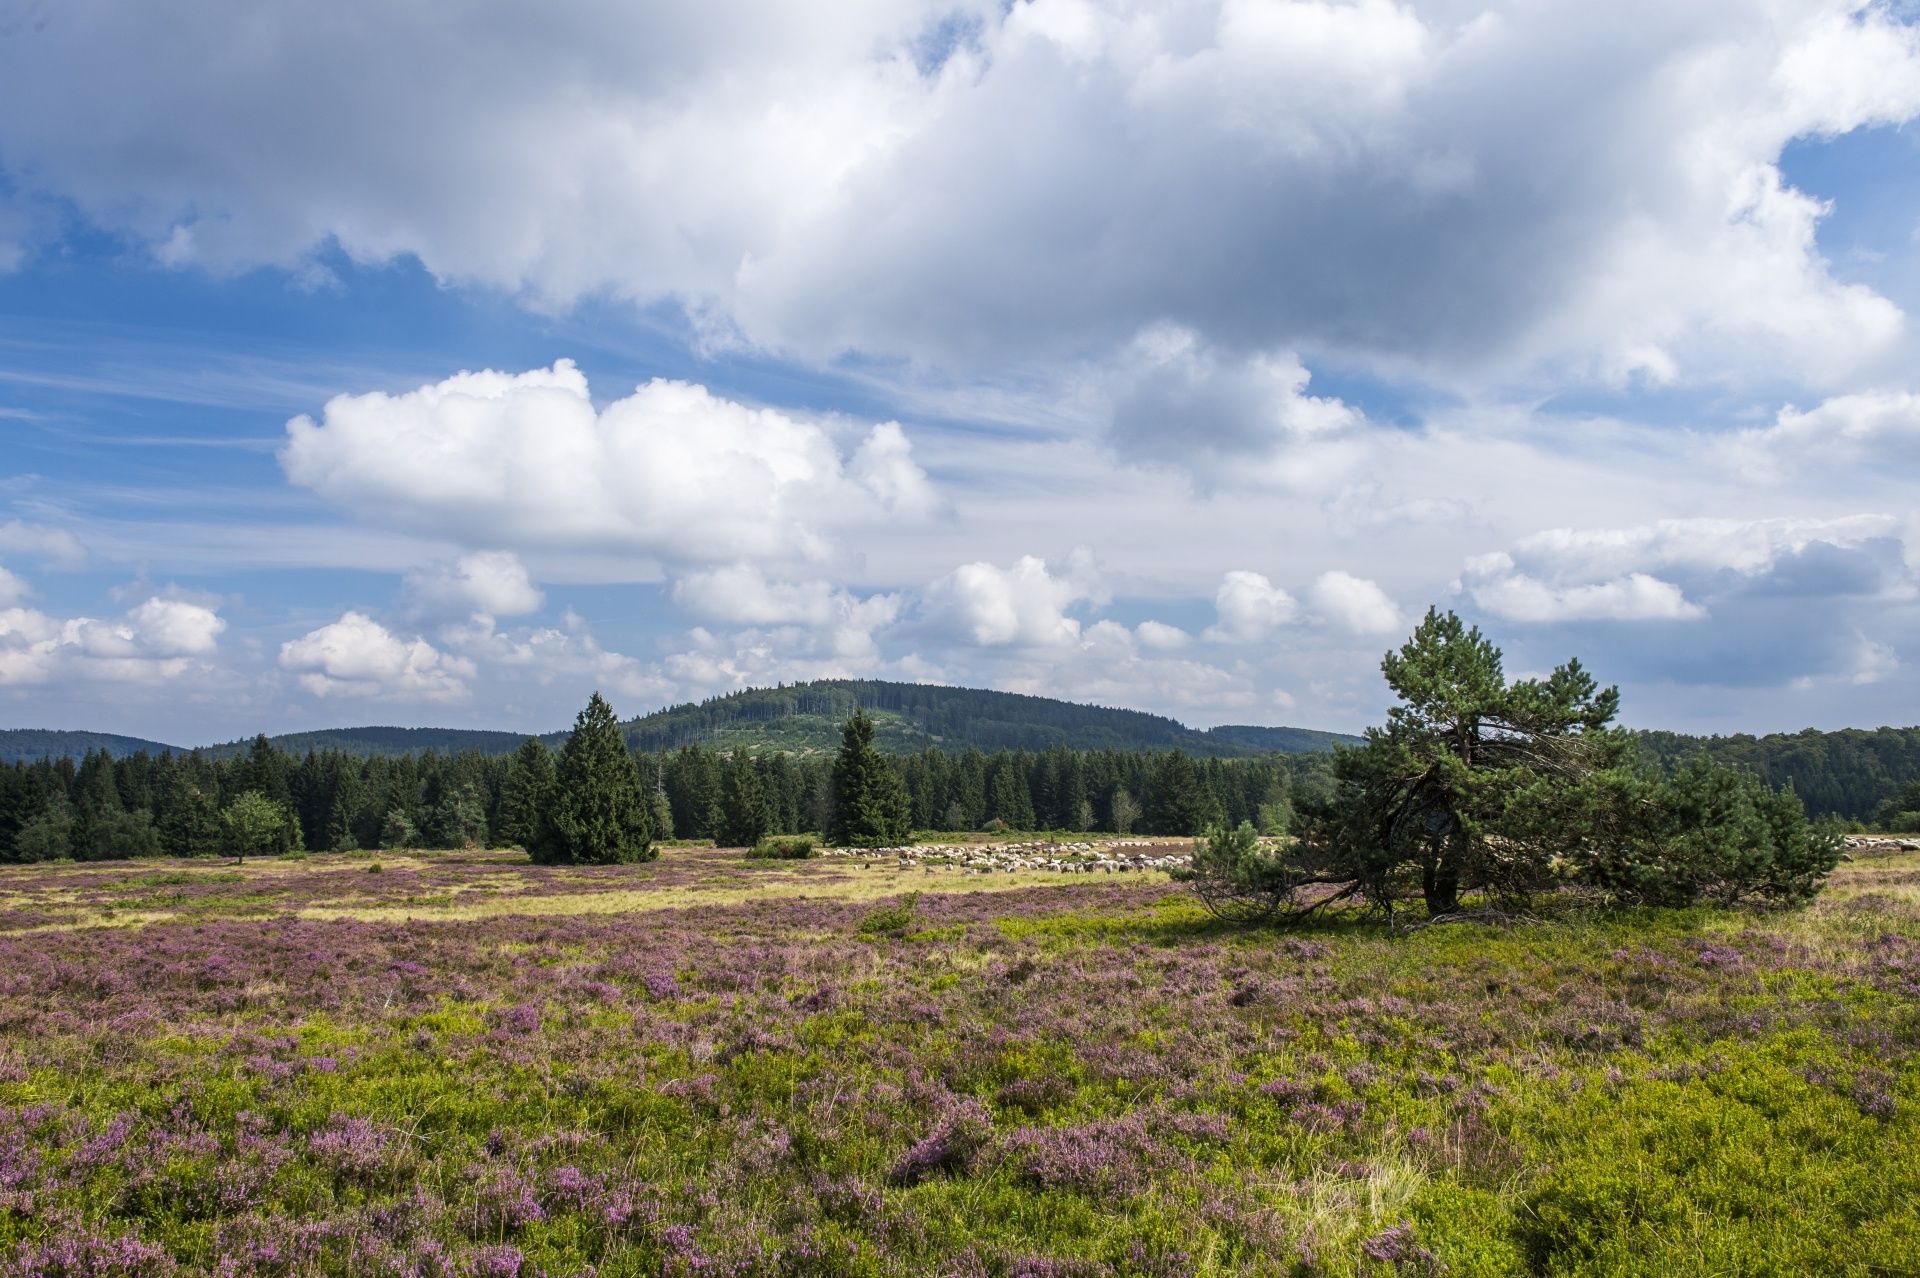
1510,789
600,814
870,805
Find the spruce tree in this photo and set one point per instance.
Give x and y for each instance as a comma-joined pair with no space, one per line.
600,813
526,794
743,804
870,806
1178,801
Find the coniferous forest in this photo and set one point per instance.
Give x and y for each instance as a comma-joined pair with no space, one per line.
99,807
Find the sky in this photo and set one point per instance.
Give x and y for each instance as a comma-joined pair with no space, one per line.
360,364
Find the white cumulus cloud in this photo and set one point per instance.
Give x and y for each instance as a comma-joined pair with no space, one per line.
356,656
1249,608
156,641
1352,604
1023,605
671,471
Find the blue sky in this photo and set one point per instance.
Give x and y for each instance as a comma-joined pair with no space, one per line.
1166,354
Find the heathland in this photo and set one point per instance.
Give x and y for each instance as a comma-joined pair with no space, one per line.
461,1063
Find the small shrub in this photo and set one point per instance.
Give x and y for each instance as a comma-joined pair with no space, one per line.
374,868
783,847
891,920
1237,879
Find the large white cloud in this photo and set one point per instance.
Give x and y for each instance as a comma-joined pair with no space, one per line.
154,642
1227,420
356,656
671,471
1593,187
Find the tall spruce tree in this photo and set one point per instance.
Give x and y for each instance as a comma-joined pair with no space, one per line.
743,803
600,814
526,794
870,805
1178,801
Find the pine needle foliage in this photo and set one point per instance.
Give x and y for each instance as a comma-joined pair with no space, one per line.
600,814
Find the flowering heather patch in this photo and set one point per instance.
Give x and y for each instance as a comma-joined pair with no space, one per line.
467,1066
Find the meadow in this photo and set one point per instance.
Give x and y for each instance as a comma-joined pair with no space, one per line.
462,1064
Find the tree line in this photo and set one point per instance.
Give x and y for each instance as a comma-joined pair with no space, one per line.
188,804
1852,773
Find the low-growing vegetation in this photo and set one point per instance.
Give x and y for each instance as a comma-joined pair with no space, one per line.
784,847
472,1065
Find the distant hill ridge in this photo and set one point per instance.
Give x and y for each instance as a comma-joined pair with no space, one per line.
796,717
18,745
916,716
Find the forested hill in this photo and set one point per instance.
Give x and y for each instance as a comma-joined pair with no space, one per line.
914,716
28,745
1850,773
376,742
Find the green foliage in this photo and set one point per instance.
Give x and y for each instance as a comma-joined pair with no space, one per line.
460,819
1851,773
398,831
1479,785
1426,804
1178,802
600,813
870,806
743,804
47,837
258,826
894,920
116,832
1901,813
1708,832
783,847
526,792
1238,879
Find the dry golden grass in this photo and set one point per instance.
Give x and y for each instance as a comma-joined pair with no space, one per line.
45,898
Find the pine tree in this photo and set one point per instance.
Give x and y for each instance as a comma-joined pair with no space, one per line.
743,804
870,807
600,813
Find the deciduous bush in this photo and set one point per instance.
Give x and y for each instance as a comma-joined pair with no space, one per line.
783,847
